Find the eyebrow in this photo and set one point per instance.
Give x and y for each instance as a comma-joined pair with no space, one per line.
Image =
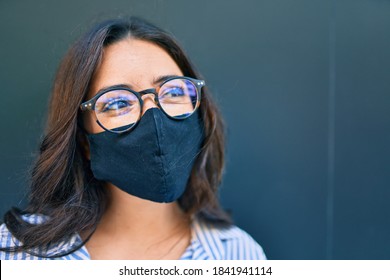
156,81
113,86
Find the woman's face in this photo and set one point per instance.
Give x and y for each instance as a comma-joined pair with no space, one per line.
135,63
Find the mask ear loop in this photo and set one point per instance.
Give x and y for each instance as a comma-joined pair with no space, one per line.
82,140
81,136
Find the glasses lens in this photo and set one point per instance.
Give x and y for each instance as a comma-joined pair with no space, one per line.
178,98
117,110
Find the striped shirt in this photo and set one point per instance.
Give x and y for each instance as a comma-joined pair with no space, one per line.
207,243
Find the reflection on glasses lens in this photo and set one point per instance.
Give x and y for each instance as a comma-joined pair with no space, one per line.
119,110
178,98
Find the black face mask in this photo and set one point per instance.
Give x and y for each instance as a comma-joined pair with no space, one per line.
153,161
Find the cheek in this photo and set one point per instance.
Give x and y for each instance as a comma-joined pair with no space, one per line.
90,124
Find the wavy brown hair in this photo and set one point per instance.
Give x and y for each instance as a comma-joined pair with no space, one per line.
63,187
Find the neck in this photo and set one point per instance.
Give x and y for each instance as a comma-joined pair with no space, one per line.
130,214
134,228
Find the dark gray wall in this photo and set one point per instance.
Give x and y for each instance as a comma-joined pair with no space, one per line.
304,87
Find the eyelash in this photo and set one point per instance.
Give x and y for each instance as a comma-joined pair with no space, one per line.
110,103
174,88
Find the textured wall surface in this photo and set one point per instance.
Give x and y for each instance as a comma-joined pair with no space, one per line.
304,88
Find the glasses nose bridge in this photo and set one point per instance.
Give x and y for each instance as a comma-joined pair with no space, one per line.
154,99
148,91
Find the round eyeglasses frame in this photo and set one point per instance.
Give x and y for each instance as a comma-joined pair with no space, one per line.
90,104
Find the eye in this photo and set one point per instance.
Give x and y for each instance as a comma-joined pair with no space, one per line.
116,104
173,92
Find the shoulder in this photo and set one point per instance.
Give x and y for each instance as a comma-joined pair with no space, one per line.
7,240
225,243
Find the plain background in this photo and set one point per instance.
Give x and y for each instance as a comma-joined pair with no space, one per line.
304,88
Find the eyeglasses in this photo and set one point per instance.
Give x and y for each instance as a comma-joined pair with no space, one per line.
118,109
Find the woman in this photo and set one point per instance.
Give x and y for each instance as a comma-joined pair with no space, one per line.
131,160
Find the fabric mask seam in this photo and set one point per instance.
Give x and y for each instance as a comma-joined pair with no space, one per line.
162,157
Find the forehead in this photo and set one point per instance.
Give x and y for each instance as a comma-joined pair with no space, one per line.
134,62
